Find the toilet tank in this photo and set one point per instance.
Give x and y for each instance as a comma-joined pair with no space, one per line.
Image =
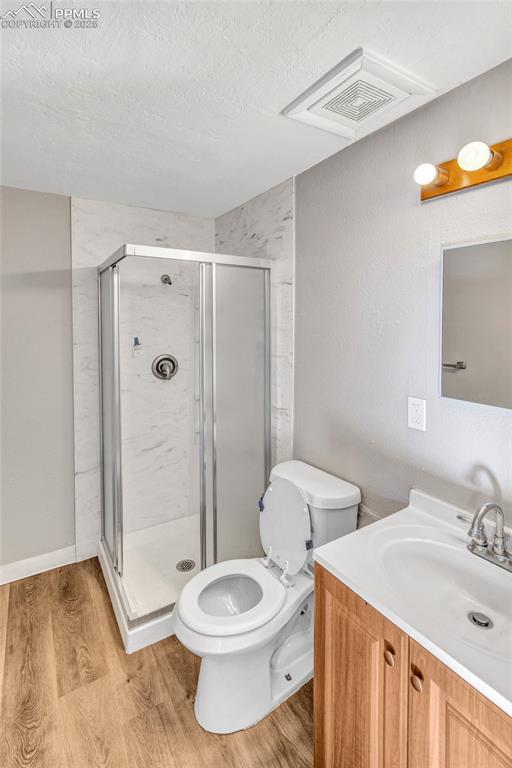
333,503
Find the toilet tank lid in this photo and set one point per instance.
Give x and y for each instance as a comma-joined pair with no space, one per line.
321,489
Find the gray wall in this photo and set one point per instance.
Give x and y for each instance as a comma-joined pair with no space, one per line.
368,287
37,390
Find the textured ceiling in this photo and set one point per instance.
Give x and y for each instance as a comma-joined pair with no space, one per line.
176,105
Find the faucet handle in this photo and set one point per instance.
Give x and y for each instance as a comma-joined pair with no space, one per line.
477,534
500,546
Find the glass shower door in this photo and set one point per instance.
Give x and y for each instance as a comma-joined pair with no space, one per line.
159,406
241,406
185,380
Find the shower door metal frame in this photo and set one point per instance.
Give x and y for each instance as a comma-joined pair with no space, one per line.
205,400
207,436
116,557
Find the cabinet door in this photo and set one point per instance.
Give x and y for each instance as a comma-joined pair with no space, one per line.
360,685
450,724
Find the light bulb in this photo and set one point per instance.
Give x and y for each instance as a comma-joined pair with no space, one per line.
426,173
477,155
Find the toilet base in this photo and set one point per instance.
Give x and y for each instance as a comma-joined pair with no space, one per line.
243,677
233,694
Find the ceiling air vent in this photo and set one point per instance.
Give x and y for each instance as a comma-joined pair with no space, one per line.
360,95
358,101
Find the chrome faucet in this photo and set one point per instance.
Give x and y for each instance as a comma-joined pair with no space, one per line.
479,545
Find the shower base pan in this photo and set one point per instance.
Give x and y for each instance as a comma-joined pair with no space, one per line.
152,577
158,562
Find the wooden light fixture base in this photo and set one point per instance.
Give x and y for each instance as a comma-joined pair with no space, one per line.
459,179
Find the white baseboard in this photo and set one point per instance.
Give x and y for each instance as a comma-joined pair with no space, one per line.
20,569
139,637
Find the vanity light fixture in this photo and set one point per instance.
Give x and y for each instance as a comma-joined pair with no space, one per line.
478,155
477,163
426,173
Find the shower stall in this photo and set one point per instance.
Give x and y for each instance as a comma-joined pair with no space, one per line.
185,423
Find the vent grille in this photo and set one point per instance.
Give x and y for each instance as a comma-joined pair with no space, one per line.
358,96
359,101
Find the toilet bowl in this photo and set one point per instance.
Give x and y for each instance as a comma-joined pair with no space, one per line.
251,620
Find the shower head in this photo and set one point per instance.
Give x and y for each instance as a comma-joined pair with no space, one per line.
166,279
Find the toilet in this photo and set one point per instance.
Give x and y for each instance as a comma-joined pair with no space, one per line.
251,620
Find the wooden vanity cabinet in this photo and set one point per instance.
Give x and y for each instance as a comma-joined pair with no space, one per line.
360,683
383,701
451,725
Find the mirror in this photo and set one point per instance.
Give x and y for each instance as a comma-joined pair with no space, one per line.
477,323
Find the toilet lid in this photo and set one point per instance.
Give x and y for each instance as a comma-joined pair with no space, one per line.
285,525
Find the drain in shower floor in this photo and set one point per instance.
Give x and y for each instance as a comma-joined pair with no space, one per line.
185,565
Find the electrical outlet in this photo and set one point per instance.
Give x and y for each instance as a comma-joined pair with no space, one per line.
417,413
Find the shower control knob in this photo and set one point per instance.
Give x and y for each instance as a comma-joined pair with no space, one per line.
164,367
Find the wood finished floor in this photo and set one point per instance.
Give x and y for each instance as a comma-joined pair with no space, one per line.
71,698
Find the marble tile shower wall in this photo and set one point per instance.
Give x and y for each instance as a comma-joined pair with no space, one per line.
98,229
264,227
160,419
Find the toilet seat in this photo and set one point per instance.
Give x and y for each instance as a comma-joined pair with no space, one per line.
272,599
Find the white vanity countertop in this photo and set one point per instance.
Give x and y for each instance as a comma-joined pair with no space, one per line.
414,567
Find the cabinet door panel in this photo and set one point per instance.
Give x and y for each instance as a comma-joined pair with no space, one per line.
451,725
360,682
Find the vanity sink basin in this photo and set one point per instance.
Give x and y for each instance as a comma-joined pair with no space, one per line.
414,567
442,585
